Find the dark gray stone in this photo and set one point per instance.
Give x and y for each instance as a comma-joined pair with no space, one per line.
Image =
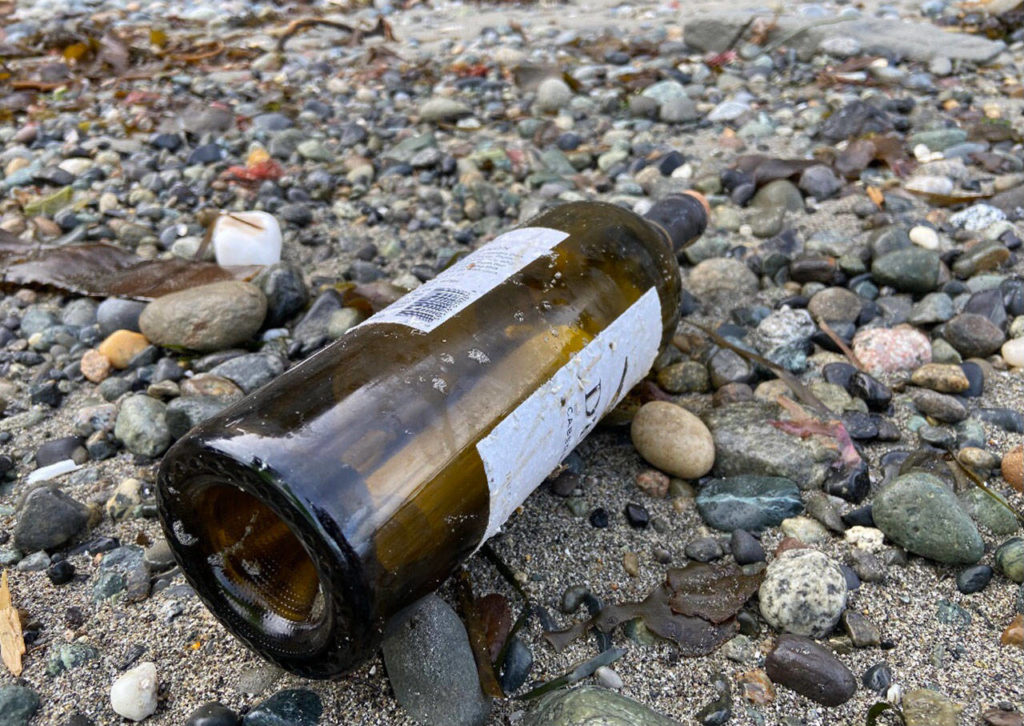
250,371
747,443
431,667
48,518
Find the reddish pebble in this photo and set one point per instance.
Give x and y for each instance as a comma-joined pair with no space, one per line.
653,483
886,350
789,543
94,365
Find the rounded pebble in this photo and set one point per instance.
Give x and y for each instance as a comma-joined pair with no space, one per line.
673,439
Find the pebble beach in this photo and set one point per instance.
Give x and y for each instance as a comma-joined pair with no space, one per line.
197,197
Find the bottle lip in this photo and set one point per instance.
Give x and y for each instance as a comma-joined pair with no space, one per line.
342,635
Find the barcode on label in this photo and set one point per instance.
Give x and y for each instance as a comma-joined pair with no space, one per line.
436,305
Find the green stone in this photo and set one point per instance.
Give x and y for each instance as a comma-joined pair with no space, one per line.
921,514
923,707
995,516
592,706
912,269
17,705
1010,559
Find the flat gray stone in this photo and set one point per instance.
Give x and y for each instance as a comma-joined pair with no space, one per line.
592,706
913,41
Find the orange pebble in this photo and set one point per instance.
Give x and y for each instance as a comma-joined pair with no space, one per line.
1014,633
121,346
1013,468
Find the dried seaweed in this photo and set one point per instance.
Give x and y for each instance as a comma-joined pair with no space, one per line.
104,270
476,628
577,674
695,608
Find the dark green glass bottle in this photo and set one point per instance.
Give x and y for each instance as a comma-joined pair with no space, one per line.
312,512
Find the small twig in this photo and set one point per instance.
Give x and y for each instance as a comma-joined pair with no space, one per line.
834,337
382,28
786,37
802,392
985,488
499,564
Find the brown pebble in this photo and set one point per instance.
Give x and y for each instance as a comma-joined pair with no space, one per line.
121,346
756,687
941,377
208,384
631,564
653,483
789,543
94,365
999,717
1013,468
1014,633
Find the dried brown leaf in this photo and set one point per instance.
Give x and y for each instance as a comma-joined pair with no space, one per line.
105,270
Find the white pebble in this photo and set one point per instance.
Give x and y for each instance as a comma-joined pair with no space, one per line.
1013,352
865,538
924,237
608,678
247,238
133,695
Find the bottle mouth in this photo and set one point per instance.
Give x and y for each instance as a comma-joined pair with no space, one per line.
262,570
252,567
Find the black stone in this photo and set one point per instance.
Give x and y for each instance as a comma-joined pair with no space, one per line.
297,213
851,577
869,389
705,549
745,548
988,304
976,378
718,711
851,484
517,665
859,517
856,118
46,393
213,714
205,154
1005,418
78,719
973,579
48,518
171,142
60,573
599,518
878,678
861,426
887,430
292,707
838,374
637,516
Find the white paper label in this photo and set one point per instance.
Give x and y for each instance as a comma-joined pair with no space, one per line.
470,278
531,441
